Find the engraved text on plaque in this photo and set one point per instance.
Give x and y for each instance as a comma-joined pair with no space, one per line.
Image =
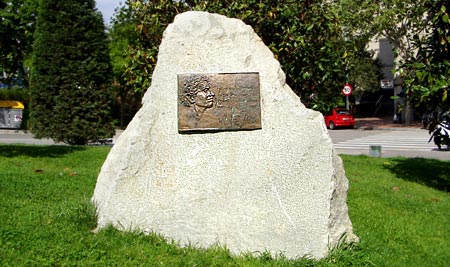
219,101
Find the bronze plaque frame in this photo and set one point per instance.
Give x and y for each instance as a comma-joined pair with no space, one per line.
219,102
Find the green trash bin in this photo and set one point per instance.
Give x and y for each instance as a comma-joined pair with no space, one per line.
11,114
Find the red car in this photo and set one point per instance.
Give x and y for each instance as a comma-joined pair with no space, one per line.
339,117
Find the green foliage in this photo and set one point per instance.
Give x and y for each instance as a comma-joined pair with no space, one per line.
18,19
15,94
123,35
152,18
135,34
398,206
124,38
308,38
427,74
419,32
70,96
395,20
365,73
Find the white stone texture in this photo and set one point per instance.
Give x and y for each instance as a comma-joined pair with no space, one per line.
281,189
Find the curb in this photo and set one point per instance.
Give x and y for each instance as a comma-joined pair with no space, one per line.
370,128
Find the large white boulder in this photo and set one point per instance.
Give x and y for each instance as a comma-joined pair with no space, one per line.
281,188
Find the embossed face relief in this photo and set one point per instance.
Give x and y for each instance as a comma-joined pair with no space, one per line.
205,97
218,102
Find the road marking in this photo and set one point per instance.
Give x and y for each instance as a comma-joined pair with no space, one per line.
395,140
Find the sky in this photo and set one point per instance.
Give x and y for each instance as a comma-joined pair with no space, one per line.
107,8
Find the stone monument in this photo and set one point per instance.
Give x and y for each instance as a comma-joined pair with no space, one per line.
223,152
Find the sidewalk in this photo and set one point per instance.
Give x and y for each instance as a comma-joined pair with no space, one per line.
374,123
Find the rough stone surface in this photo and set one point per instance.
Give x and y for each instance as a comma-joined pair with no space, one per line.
281,189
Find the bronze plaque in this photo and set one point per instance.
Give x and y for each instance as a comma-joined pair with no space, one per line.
218,102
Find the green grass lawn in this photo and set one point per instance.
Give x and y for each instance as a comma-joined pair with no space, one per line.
400,208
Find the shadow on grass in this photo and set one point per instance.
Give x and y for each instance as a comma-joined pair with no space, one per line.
430,172
37,151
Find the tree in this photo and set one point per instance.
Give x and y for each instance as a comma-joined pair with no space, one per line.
418,31
123,38
135,34
318,49
70,98
365,73
396,20
18,19
152,17
362,20
306,37
427,73
402,23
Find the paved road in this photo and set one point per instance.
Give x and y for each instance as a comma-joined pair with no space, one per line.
406,143
24,137
400,142
21,137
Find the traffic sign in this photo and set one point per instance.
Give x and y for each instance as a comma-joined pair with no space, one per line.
347,90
